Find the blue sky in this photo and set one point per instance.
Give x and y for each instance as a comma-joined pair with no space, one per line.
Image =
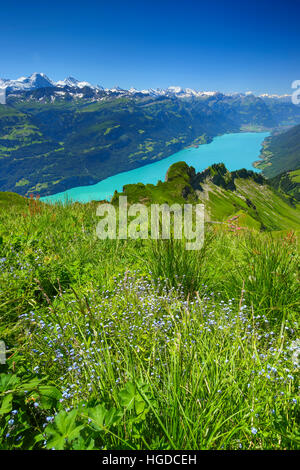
226,45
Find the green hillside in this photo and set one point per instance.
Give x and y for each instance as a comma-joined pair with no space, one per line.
49,147
244,195
288,182
281,153
11,200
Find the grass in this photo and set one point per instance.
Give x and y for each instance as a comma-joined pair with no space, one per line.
295,176
139,344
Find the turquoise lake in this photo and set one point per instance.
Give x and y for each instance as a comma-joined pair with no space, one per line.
236,151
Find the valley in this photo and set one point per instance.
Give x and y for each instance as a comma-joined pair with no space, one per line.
69,133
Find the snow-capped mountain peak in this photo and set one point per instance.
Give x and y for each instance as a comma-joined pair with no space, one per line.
175,89
36,80
73,82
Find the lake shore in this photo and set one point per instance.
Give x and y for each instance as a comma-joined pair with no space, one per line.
236,151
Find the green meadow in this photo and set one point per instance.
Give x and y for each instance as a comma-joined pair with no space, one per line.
141,344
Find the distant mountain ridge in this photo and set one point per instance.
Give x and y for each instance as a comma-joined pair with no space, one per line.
40,80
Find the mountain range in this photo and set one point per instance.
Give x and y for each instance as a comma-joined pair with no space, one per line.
40,80
57,135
